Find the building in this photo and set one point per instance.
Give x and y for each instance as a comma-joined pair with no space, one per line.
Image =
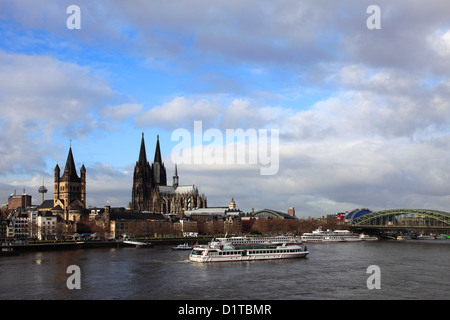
211,212
18,225
232,204
133,223
356,213
46,226
19,201
4,224
185,227
291,212
215,220
69,199
216,212
150,191
271,214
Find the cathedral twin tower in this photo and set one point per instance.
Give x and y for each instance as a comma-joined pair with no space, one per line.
151,192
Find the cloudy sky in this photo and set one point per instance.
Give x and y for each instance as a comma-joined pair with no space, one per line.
363,114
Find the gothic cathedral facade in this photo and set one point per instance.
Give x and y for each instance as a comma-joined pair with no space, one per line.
151,192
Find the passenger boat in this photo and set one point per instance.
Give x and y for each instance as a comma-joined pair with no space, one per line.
183,246
245,240
365,237
221,251
319,235
425,237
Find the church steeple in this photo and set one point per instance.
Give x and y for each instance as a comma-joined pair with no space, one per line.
142,153
158,158
159,171
70,172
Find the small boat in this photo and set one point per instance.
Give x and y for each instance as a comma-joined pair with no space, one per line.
183,246
365,237
8,252
138,244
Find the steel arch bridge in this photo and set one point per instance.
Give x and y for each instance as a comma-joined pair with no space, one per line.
403,219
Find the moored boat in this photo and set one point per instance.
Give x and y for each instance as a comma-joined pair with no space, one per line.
365,237
425,237
319,235
8,252
138,244
183,246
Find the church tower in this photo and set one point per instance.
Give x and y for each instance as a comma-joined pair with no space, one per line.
159,171
70,189
175,178
142,182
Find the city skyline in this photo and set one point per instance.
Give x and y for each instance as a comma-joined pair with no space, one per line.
363,114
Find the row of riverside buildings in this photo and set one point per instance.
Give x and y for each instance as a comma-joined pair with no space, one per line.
155,209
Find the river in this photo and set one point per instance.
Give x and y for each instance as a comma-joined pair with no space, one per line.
414,269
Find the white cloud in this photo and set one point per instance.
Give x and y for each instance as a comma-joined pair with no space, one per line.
121,112
179,112
40,98
440,42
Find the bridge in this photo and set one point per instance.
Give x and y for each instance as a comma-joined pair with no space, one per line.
422,220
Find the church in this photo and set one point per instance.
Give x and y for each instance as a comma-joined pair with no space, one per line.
151,192
70,191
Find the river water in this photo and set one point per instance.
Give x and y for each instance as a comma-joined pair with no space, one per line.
415,269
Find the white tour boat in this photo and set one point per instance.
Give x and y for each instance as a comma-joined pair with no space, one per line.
220,251
245,240
319,235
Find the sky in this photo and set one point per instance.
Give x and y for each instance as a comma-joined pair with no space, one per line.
361,114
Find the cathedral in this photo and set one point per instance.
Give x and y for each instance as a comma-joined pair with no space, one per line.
151,192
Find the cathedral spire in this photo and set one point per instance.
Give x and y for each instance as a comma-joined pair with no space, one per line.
158,158
159,171
142,153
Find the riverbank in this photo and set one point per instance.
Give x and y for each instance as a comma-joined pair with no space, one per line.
46,246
